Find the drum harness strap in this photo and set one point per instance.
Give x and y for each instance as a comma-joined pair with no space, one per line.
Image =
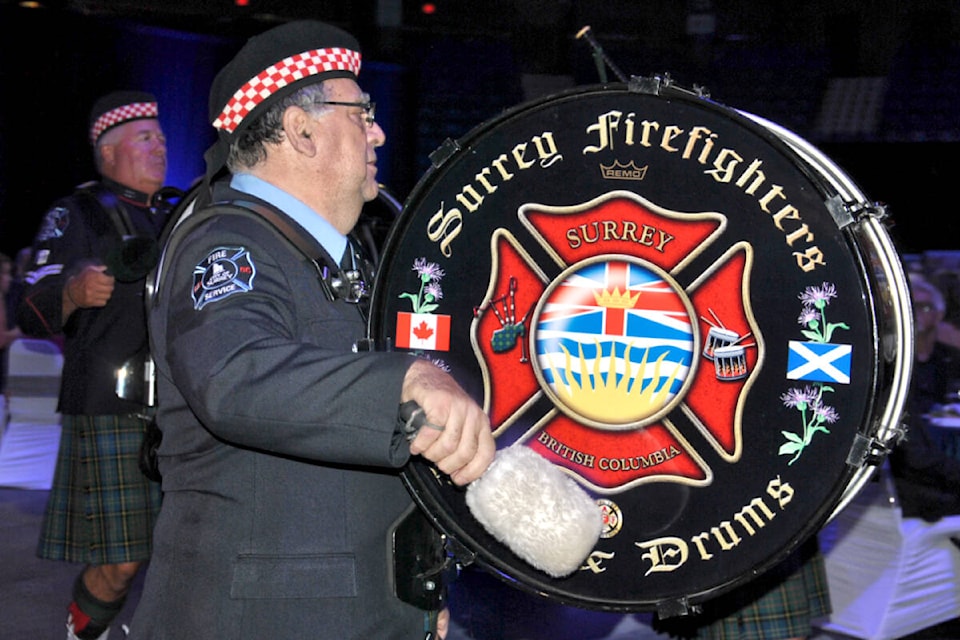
349,284
110,205
185,221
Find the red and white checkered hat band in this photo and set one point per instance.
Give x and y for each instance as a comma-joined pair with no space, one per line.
281,74
133,111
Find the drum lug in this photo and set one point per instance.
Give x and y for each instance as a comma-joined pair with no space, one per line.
656,84
845,213
675,608
442,153
463,556
867,451
652,85
419,561
841,212
648,84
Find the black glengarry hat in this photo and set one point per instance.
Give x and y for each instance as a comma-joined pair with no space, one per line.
272,65
119,107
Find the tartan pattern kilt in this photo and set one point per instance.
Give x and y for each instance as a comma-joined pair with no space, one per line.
101,508
786,611
782,604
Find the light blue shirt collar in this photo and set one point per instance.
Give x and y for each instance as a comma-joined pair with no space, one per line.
316,225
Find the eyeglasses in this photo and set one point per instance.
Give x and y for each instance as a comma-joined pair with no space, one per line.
369,108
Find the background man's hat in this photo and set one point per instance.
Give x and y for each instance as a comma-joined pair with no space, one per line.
119,107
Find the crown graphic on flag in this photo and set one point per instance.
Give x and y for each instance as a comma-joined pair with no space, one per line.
615,299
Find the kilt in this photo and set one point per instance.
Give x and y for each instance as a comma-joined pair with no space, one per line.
781,604
101,508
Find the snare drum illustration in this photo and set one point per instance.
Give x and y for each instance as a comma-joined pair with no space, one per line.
718,338
730,363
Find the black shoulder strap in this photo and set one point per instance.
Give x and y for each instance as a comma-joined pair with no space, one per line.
111,205
307,245
190,219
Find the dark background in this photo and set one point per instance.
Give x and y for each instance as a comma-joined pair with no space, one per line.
874,84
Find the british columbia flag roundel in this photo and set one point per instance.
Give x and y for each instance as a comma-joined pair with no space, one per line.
614,341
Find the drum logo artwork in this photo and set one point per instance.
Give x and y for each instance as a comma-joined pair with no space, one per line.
615,341
657,299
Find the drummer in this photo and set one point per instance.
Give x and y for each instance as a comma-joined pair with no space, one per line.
281,441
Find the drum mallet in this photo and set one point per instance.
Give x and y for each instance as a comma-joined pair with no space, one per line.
530,505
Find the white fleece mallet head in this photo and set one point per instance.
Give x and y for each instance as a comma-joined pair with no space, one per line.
536,510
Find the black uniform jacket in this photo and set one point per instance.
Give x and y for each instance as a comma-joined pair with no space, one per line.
77,232
280,450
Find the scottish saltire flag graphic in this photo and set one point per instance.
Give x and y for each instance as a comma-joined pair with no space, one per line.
819,362
605,310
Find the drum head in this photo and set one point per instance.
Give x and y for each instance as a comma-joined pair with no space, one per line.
567,261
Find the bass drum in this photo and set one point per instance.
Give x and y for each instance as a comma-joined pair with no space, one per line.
376,220
688,309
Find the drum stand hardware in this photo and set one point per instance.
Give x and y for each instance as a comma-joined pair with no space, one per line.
419,561
639,84
599,56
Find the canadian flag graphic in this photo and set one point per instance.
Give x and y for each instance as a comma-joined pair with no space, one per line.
429,331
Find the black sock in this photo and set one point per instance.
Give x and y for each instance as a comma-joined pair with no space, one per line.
100,613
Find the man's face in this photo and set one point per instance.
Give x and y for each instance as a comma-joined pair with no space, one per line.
348,157
135,155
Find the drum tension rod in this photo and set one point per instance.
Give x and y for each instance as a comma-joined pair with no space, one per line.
655,84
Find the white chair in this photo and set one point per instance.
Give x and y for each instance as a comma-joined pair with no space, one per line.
28,449
33,380
889,576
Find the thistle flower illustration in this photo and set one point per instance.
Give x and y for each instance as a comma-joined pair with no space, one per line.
814,313
433,290
441,364
814,416
429,274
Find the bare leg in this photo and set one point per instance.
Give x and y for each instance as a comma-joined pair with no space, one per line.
110,582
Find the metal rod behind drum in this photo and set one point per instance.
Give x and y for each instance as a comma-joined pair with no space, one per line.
599,54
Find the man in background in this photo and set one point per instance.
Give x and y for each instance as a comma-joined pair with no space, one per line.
86,282
926,477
